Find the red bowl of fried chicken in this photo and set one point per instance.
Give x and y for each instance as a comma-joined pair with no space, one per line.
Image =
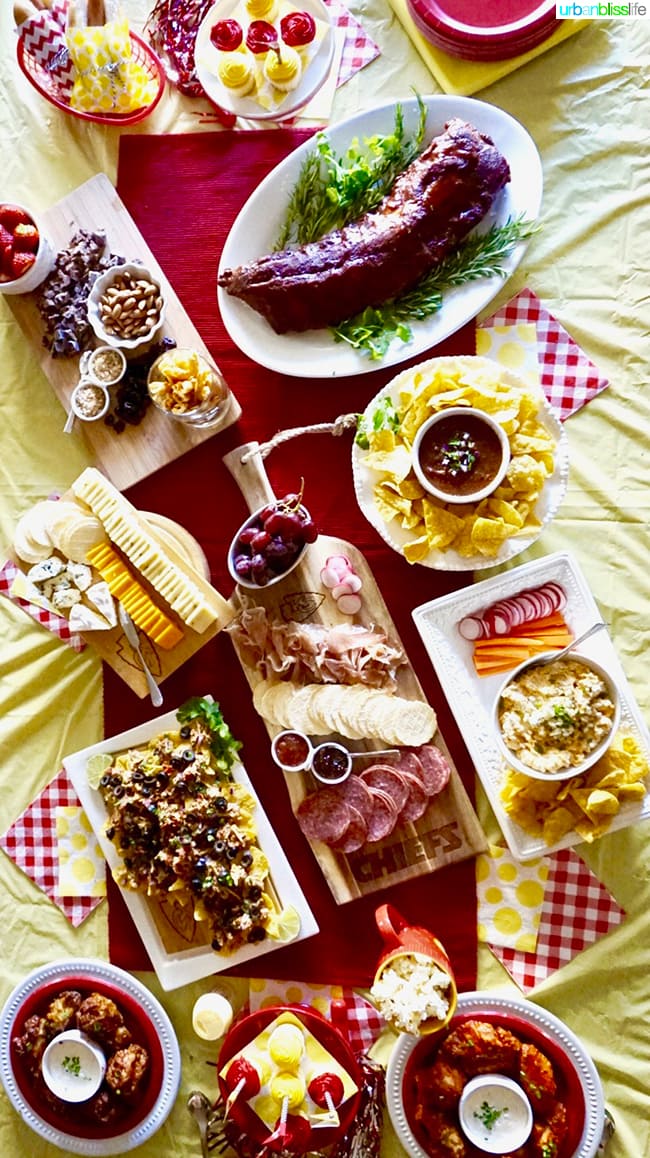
549,1064
116,1022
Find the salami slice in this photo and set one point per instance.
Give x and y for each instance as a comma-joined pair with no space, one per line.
355,835
435,769
409,762
323,816
389,779
357,794
417,800
384,816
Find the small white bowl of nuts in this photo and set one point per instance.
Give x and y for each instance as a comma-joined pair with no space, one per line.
126,306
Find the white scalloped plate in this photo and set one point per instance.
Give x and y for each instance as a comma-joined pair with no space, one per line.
471,697
315,353
545,509
96,972
477,1003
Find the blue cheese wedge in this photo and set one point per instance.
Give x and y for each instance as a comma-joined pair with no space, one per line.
81,575
65,597
47,569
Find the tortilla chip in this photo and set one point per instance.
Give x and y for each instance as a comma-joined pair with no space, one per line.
441,525
395,463
418,550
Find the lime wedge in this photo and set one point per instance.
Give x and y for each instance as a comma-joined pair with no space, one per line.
285,926
96,766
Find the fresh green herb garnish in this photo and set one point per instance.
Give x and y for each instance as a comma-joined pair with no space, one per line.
489,1115
459,455
223,745
385,417
331,191
562,715
72,1065
481,255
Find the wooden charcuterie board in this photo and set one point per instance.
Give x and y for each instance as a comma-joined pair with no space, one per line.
449,830
139,450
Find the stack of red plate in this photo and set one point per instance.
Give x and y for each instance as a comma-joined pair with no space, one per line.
495,30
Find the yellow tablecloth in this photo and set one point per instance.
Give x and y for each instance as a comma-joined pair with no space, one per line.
586,105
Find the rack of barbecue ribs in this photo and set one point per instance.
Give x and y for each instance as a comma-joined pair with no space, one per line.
431,207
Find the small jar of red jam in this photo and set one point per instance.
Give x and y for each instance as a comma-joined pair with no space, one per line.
292,751
331,763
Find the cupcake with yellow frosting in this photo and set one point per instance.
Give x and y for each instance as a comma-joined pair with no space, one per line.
236,72
262,9
283,69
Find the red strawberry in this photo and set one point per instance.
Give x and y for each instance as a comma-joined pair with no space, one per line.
6,259
21,263
6,238
13,215
26,238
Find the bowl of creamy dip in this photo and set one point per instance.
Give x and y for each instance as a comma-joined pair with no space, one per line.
554,720
73,1066
495,1114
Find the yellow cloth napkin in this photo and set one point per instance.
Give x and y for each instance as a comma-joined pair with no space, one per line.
464,77
82,868
510,896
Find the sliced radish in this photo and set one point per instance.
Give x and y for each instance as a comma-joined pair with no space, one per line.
328,577
472,627
339,564
556,592
349,586
349,604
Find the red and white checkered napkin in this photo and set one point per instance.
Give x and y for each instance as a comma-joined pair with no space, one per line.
577,912
43,38
349,1011
359,49
31,842
568,378
57,624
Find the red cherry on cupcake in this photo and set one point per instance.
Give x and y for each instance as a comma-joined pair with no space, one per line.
261,36
227,35
298,29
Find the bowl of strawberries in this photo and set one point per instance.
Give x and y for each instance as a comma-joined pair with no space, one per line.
26,256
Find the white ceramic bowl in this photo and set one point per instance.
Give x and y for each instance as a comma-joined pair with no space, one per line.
73,1066
276,752
43,265
251,521
97,292
91,360
594,755
495,1114
474,496
89,385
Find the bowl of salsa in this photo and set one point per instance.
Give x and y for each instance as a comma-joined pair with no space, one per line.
460,455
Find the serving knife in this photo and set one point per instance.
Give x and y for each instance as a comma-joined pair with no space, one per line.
131,633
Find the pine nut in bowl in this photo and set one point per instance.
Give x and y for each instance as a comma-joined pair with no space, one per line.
461,454
554,718
126,307
105,365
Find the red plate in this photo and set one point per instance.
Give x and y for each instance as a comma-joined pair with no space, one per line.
495,31
570,1090
330,1038
68,1118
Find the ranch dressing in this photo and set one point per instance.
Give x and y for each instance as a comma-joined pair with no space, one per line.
495,1114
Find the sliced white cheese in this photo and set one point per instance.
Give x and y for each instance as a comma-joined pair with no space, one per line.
99,594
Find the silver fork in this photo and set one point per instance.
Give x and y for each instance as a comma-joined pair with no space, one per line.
131,633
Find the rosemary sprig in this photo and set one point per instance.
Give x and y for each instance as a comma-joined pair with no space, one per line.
481,255
331,191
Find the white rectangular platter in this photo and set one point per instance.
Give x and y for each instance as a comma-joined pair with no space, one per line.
182,956
471,697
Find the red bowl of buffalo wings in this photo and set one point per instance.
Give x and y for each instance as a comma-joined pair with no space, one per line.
440,1066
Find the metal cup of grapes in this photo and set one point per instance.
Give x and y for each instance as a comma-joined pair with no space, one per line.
271,542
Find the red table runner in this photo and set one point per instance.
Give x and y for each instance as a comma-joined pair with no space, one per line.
184,192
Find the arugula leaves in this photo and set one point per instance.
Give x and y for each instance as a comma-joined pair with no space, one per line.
385,417
331,191
223,745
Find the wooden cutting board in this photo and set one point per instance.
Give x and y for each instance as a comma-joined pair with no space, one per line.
449,831
139,450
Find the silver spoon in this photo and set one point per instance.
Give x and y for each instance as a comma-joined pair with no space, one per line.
574,643
200,1109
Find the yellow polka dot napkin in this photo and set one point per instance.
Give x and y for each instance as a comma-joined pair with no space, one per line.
349,1011
510,898
82,868
514,347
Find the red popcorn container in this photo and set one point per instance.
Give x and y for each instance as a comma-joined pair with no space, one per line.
410,945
